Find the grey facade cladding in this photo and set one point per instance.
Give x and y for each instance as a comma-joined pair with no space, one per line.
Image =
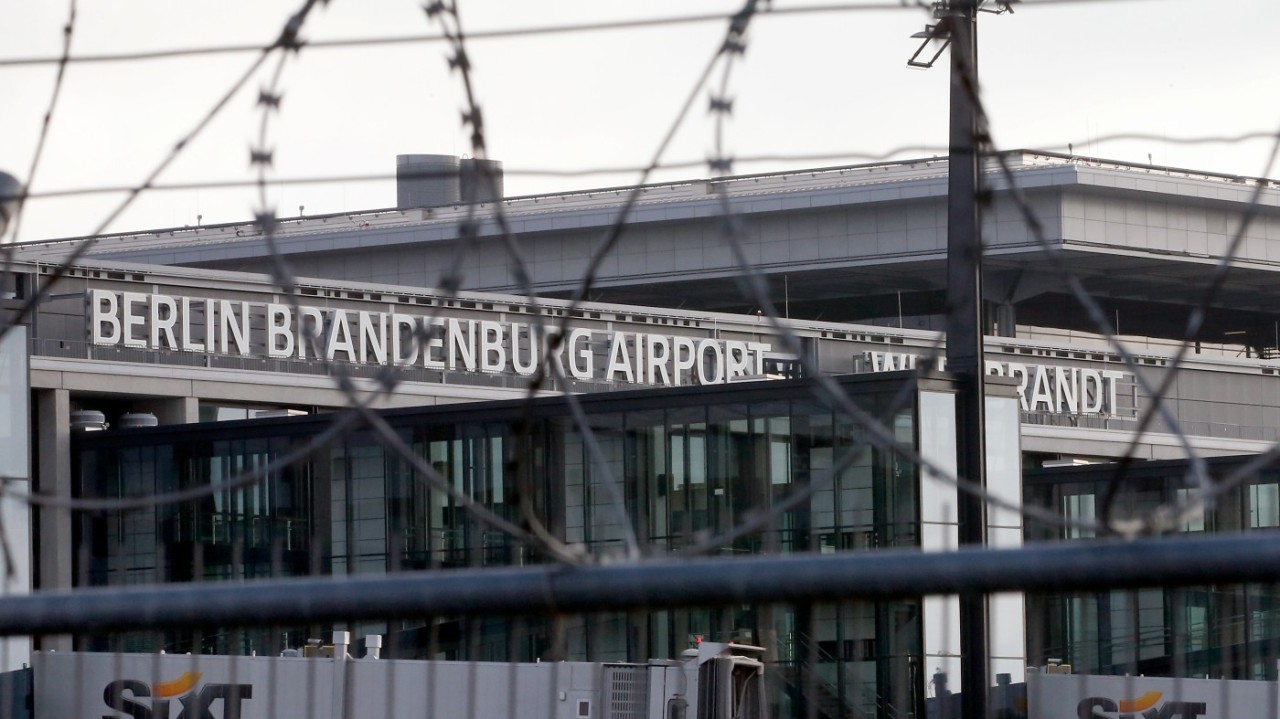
853,244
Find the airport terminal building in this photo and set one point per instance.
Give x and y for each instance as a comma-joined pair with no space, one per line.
709,409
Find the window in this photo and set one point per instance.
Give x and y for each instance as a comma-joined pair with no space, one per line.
1078,508
1192,522
1264,505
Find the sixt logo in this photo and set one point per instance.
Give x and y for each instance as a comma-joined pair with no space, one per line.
1144,707
126,696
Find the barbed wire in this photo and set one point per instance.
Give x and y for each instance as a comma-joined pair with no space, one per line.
1158,520
904,153
261,158
983,138
871,431
1217,281
582,291
68,32
877,434
342,423
482,184
510,33
67,262
1169,516
7,252
6,263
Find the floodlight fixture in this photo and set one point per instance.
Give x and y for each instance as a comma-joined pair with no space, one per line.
930,33
1002,7
940,31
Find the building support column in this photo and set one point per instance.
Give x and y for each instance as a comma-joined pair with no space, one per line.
15,477
1006,320
53,541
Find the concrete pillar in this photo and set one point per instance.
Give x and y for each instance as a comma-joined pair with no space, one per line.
1006,320
53,542
15,468
171,410
938,530
1007,638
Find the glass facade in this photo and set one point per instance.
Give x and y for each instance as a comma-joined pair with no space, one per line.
1219,631
689,464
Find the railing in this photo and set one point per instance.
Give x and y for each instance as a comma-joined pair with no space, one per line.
558,591
1217,430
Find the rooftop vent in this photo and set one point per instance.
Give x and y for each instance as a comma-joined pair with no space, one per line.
440,180
427,181
481,181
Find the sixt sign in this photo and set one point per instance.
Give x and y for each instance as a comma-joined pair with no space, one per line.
1147,706
182,698
1082,696
91,685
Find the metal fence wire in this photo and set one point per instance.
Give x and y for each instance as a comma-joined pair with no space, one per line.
800,635
600,550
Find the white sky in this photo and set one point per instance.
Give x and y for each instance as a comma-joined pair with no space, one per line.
831,83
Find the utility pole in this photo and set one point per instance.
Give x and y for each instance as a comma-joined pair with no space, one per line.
957,28
965,338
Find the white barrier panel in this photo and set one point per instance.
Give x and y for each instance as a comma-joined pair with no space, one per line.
87,685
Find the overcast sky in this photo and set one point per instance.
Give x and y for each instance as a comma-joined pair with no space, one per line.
833,83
